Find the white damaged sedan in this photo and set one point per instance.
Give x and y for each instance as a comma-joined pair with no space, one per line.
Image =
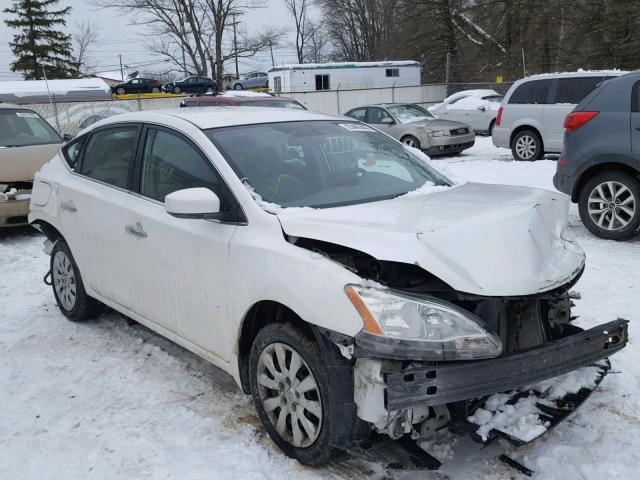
342,281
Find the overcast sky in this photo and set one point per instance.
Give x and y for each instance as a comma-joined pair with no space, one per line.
118,37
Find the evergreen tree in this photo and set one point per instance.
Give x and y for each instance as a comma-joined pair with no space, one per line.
40,41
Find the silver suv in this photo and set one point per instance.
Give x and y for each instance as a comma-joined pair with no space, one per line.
530,120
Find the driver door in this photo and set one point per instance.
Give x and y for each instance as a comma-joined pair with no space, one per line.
181,283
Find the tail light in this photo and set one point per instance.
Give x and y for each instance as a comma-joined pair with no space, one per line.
499,116
157,82
577,119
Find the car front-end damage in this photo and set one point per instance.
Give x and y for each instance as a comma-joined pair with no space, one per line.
14,203
466,312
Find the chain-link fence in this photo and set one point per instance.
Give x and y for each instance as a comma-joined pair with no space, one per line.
67,117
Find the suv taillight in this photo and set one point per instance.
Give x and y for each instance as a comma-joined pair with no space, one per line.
577,119
499,117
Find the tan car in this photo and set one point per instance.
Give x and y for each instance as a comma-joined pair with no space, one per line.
416,127
27,142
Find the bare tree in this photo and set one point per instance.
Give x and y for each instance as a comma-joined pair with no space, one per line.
85,36
299,10
316,48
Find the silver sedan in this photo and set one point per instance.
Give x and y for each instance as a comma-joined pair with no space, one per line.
416,127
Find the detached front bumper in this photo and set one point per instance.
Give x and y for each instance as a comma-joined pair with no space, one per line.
451,382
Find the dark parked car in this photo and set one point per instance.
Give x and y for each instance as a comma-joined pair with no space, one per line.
257,101
137,85
600,165
192,85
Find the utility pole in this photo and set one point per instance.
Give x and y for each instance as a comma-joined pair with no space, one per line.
524,65
447,73
235,43
273,63
121,71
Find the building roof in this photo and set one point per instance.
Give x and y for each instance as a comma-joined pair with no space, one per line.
34,91
328,66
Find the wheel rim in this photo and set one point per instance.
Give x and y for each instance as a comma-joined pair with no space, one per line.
238,87
526,147
289,394
611,205
121,91
410,142
64,280
154,90
176,90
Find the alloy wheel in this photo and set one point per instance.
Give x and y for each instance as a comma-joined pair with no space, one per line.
64,280
611,205
410,142
526,147
290,394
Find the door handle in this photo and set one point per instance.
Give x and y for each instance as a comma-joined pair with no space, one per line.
69,206
135,230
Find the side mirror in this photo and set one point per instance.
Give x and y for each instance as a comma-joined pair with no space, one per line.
388,121
482,108
67,136
195,203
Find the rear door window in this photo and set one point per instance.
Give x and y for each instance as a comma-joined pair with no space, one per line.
532,92
573,90
358,114
109,155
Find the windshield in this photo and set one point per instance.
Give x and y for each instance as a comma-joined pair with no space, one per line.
409,113
321,163
272,103
20,128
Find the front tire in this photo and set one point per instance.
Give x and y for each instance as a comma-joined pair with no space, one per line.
237,86
411,141
609,205
209,90
120,91
68,288
526,146
155,90
290,389
176,90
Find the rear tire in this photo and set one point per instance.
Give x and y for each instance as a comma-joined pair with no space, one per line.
411,141
609,205
237,86
526,146
155,90
176,90
296,413
68,288
209,90
120,91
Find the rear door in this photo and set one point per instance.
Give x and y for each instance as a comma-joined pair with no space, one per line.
92,205
565,95
377,116
526,105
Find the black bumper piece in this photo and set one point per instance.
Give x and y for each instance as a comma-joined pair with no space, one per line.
452,382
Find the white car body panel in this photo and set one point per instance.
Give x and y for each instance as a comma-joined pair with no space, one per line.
444,233
463,107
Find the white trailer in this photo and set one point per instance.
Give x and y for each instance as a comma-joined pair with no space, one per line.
311,77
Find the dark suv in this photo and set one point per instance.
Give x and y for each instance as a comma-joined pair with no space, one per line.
600,165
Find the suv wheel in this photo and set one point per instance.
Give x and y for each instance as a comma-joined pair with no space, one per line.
290,389
527,146
609,205
68,288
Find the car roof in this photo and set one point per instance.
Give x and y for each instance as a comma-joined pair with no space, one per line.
240,99
222,116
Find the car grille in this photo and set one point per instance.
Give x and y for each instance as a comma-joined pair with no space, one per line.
459,131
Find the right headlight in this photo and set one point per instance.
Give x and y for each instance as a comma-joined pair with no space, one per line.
400,326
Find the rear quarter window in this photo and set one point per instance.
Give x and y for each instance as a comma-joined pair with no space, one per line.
532,92
574,90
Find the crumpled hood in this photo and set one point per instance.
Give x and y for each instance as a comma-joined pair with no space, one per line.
490,240
439,124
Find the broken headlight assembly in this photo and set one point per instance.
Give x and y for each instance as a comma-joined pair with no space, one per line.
403,327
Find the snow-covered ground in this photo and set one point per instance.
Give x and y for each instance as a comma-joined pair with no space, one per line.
108,399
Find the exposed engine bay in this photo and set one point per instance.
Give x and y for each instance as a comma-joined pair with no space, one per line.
401,397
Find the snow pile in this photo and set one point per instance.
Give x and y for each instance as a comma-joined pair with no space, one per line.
572,382
472,103
520,420
268,206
